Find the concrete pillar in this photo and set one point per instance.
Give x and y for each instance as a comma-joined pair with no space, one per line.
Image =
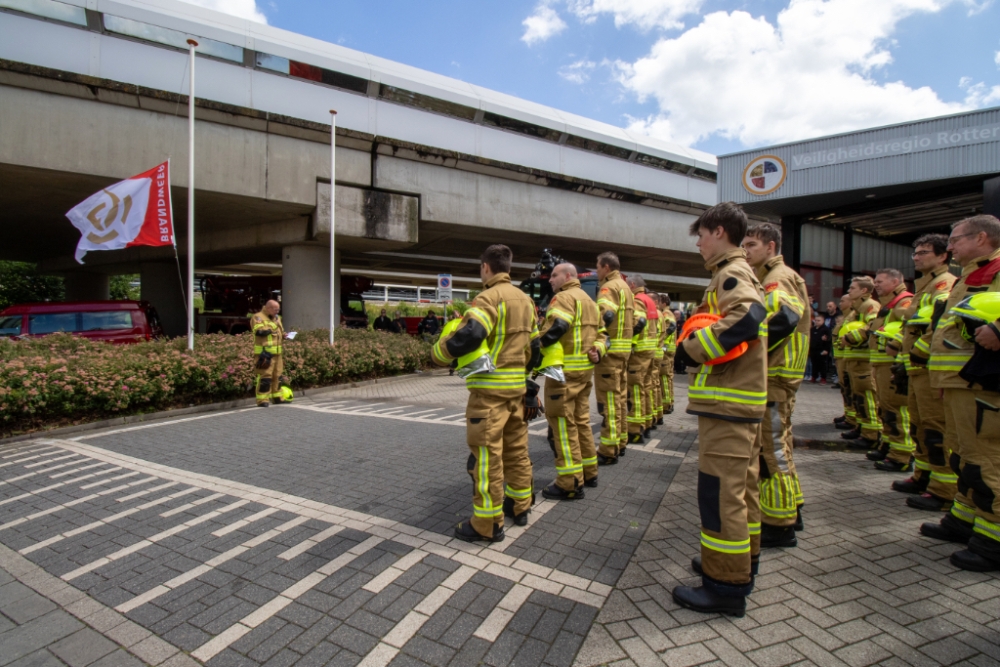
88,287
305,287
160,284
991,196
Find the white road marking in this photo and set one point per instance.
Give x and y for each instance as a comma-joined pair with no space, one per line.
308,543
394,571
404,418
212,647
498,619
21,451
170,422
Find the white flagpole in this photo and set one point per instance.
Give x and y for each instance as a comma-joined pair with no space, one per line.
190,277
334,307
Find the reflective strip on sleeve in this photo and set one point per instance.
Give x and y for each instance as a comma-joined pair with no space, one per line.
561,314
948,362
710,343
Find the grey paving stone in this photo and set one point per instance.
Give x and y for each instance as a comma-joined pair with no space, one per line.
40,658
82,648
37,634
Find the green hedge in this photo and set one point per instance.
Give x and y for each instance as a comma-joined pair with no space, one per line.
62,379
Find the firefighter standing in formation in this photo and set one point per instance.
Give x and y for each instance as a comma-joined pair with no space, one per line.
494,345
965,364
268,333
848,421
729,399
614,299
788,318
657,386
890,378
669,326
857,364
933,481
640,362
573,337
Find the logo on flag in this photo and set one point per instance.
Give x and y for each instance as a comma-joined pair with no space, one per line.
129,213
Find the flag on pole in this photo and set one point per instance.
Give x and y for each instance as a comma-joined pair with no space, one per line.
129,213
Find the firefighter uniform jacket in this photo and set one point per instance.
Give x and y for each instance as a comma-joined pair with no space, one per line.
268,332
502,317
949,349
669,335
615,297
789,318
894,307
916,347
581,326
855,343
735,390
647,339
838,345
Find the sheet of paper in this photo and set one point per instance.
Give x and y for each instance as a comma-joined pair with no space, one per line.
292,334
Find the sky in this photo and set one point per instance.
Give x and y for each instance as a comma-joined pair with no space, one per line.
717,75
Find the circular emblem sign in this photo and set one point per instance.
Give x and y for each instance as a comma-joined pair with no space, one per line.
445,282
764,175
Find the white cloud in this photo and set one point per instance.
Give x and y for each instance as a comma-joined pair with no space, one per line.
996,59
578,72
541,25
813,72
245,9
644,14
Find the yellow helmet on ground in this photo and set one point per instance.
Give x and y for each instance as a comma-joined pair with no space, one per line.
287,394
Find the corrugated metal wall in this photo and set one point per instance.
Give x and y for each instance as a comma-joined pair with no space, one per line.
983,158
871,254
822,246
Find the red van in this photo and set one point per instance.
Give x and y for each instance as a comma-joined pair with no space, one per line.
118,322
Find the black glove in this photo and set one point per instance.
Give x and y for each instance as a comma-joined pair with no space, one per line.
264,360
532,406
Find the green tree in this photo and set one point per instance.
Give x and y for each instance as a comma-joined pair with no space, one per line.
122,288
20,282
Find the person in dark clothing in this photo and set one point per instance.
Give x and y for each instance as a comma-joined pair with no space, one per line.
832,311
399,324
429,326
382,322
820,348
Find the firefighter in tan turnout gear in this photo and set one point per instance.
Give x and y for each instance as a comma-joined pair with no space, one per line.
933,481
268,334
494,345
896,449
848,421
857,364
965,364
640,362
729,399
788,318
614,299
574,337
669,326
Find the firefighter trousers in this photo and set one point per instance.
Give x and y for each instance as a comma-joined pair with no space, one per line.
845,392
667,382
894,412
927,429
268,385
609,384
657,387
640,368
728,460
567,409
497,436
780,492
977,461
862,385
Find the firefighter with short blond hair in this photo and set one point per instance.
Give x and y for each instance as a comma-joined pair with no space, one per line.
268,335
614,299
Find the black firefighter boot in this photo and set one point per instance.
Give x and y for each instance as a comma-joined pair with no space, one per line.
798,520
928,502
706,601
894,466
555,492
852,434
983,555
777,536
465,532
949,529
911,485
508,510
879,453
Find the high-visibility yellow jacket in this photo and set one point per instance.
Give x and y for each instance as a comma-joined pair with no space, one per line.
615,297
735,390
503,317
855,343
646,340
581,326
949,349
788,319
888,313
838,346
916,347
268,333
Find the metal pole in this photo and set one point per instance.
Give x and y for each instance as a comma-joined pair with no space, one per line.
334,307
190,277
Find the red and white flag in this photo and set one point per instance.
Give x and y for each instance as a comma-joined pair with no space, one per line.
129,213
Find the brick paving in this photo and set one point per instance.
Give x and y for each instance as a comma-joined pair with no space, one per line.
317,534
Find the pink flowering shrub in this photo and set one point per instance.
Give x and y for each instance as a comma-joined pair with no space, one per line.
63,379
